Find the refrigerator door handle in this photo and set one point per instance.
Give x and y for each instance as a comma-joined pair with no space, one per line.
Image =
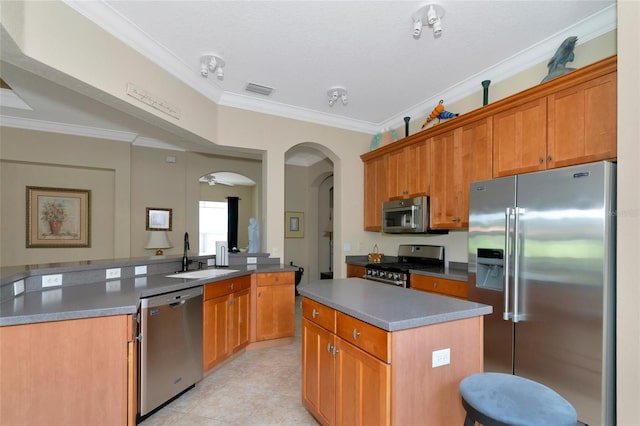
506,315
516,261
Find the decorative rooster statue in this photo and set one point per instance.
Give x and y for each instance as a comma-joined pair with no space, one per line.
439,113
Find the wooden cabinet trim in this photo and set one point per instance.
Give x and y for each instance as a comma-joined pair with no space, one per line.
579,76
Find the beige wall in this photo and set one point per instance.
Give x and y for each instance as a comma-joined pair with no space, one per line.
31,158
628,253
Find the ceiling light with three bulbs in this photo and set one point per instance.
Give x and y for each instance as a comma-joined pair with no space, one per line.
212,63
429,15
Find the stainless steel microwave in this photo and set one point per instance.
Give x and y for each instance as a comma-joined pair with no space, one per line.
408,216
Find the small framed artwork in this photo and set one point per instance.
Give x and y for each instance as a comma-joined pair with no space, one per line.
58,217
159,219
293,225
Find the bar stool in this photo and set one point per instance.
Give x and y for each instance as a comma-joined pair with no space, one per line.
496,399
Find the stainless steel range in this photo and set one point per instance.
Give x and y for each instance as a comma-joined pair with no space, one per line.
410,256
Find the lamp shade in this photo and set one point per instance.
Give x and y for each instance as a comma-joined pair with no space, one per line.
158,240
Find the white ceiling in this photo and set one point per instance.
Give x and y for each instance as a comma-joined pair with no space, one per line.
303,48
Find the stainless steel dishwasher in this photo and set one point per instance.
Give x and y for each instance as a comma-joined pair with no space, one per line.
170,346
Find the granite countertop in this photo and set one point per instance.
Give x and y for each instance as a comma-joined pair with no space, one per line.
106,297
389,307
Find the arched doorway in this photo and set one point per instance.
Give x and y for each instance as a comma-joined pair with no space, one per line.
307,169
227,202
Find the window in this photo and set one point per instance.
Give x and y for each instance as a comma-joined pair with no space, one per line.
213,225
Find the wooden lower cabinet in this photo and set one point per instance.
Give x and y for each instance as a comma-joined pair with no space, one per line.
318,377
363,387
440,286
275,305
356,271
345,384
74,372
225,319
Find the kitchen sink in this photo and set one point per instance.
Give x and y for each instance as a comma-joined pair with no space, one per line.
203,273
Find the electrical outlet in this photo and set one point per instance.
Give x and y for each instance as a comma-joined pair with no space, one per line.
51,280
211,262
18,287
347,247
252,260
441,357
141,270
113,273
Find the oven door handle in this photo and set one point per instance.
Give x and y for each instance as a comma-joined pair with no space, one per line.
382,280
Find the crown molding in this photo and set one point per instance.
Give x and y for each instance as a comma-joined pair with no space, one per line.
154,143
117,25
588,29
67,129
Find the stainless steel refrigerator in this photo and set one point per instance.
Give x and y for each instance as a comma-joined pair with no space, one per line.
542,252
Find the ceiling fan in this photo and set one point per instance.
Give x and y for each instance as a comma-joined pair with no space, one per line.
212,180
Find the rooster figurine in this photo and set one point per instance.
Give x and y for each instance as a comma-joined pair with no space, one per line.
439,113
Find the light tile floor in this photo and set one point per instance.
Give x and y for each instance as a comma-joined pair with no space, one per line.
259,387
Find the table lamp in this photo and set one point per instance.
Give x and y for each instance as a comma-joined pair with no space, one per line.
158,240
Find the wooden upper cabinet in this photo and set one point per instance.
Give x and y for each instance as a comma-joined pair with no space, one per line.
582,123
407,171
375,192
444,181
458,158
520,139
476,141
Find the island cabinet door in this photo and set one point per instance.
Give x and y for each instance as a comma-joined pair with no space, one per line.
239,323
362,387
318,372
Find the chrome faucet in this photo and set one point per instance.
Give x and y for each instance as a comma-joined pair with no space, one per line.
185,259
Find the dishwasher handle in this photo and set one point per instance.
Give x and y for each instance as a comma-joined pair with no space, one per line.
172,299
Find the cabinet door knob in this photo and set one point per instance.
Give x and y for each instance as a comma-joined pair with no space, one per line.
314,313
231,286
329,347
356,334
231,302
335,351
435,285
540,160
549,159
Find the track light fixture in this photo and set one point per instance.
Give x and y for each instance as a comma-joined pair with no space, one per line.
431,15
212,63
336,93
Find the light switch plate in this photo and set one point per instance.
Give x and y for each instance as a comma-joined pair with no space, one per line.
211,262
113,273
18,287
141,270
51,280
441,357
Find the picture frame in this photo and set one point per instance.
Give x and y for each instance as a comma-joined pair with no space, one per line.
159,219
58,217
294,225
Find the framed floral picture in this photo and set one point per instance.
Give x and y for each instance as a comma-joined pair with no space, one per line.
58,217
159,219
294,225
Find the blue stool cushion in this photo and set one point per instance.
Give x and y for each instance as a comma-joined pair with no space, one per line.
512,400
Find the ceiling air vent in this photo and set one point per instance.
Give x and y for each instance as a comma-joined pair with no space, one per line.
259,89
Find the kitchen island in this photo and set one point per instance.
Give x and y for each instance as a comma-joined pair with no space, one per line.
379,354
